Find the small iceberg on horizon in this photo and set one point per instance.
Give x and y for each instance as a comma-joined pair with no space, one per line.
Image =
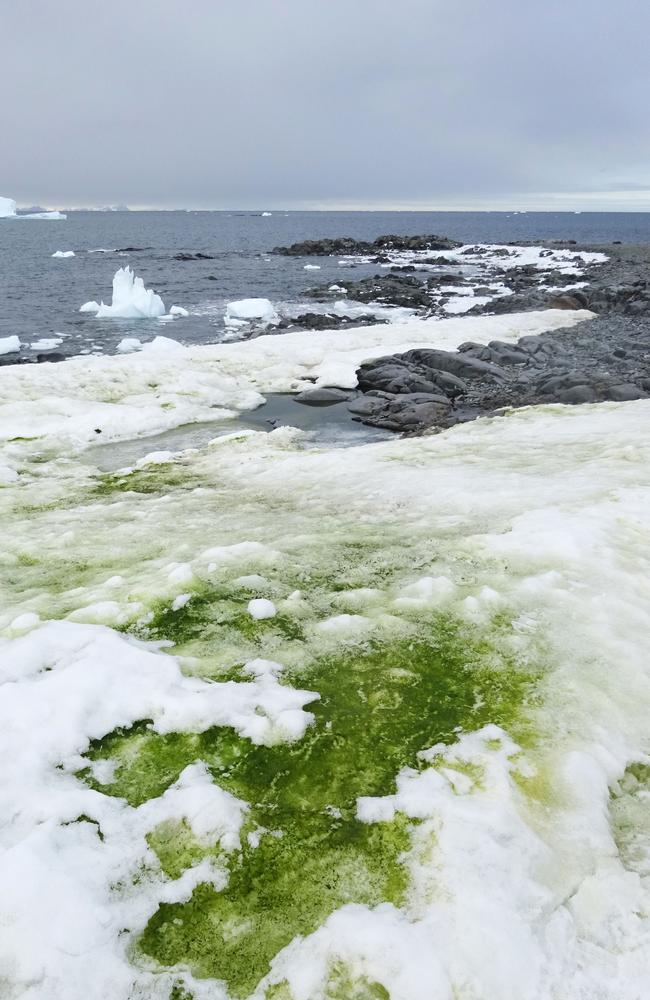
131,300
8,210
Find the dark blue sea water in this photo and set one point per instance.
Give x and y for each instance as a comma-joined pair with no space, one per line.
40,296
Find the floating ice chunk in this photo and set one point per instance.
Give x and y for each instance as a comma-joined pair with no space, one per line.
131,300
266,215
260,608
89,307
178,311
7,208
162,344
249,310
129,344
9,345
46,344
60,216
64,253
311,267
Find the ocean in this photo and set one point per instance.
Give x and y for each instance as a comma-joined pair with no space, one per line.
41,295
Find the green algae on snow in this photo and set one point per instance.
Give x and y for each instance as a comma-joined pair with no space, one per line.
303,852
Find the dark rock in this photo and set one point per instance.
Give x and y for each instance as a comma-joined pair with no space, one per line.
566,302
326,321
348,245
193,256
389,289
322,397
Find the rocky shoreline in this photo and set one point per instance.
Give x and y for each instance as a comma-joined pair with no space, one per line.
604,358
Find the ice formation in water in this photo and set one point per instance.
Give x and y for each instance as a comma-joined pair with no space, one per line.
8,211
9,345
7,208
131,300
244,311
64,253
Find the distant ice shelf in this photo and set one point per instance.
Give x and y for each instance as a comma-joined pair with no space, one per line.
8,211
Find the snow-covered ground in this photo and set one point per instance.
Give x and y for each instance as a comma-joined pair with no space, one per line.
114,395
206,608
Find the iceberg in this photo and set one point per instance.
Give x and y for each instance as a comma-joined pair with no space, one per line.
7,208
63,253
8,211
250,310
131,300
9,345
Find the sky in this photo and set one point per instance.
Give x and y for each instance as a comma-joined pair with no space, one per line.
369,104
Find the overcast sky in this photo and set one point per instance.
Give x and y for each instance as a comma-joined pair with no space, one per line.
326,103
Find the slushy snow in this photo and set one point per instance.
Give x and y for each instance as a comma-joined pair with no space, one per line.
531,529
131,300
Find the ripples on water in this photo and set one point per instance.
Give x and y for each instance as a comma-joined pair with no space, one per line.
41,296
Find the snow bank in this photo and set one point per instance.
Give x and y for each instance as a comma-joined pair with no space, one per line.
62,684
245,311
529,529
114,393
302,359
131,300
9,345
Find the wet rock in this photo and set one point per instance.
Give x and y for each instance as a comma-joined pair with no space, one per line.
325,321
406,413
322,397
193,256
388,289
568,301
348,245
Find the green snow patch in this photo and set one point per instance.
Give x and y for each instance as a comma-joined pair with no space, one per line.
303,852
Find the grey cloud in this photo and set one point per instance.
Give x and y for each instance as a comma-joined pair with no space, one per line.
222,103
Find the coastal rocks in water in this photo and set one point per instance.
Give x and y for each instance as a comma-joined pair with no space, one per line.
191,256
325,321
406,412
348,245
322,397
389,289
604,359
